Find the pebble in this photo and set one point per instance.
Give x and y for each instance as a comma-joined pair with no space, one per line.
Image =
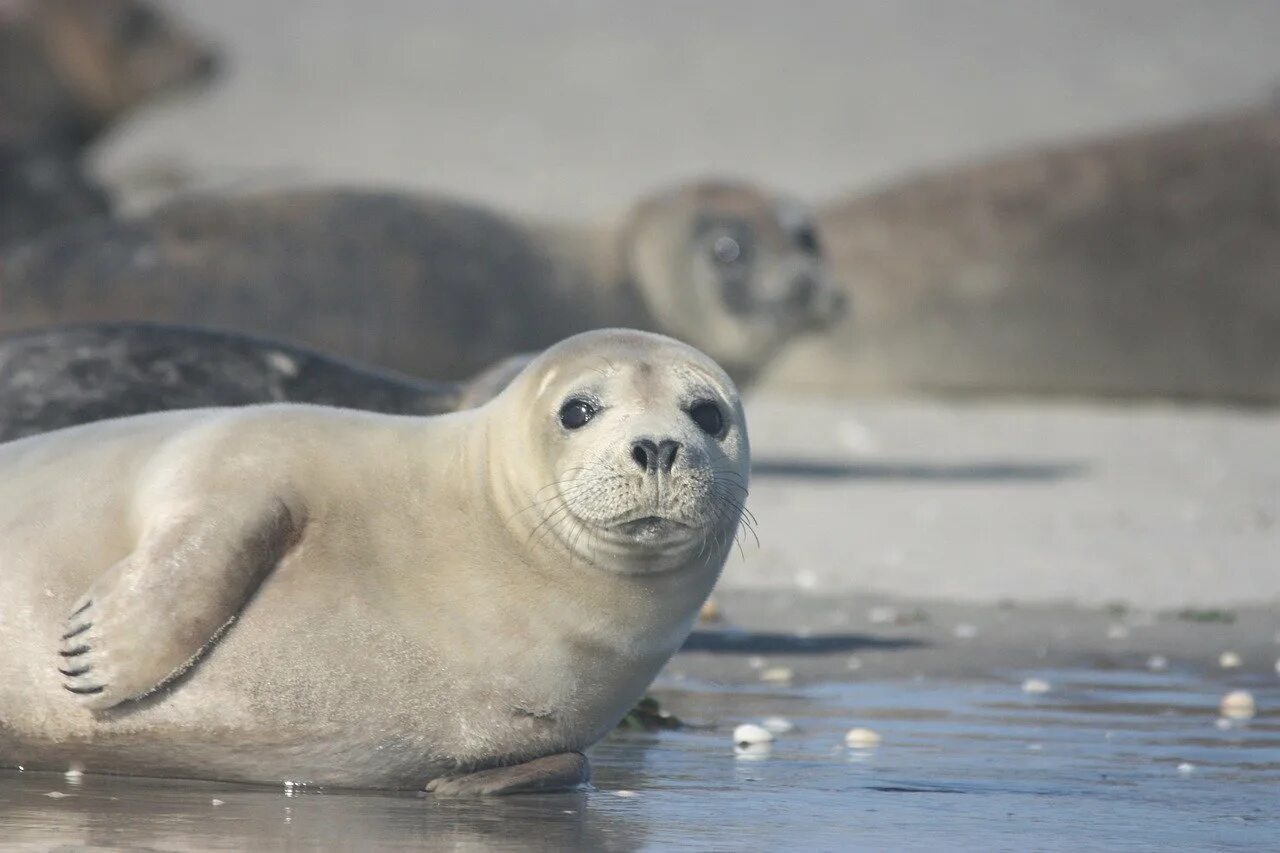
806,579
1229,660
749,733
777,674
855,663
55,795
882,615
1186,768
1036,685
862,738
1222,723
1238,705
1157,663
710,612
756,662
777,725
215,802
965,631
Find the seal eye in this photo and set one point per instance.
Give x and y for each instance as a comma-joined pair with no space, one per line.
575,413
708,418
807,239
727,250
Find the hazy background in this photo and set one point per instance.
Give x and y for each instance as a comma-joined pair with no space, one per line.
572,108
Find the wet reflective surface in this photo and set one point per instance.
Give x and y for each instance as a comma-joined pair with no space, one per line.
1107,758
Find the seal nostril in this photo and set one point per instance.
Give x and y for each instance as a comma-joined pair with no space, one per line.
645,453
667,452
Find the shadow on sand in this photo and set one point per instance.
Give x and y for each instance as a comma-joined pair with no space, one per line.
818,469
752,642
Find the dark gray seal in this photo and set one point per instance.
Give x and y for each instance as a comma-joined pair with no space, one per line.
43,188
1141,265
436,287
60,377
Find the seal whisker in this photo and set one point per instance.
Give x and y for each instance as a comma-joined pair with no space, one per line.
70,653
71,673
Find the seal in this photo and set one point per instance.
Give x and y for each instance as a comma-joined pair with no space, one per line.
42,188
66,376
70,69
1140,265
327,596
436,287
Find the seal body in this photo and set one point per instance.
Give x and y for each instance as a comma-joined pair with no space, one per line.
1138,265
346,598
65,376
43,188
436,287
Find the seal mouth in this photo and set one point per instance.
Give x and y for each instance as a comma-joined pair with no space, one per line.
651,527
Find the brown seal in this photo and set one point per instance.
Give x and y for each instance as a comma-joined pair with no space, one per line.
1140,265
437,287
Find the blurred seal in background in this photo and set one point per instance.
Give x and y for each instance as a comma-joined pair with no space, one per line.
68,375
64,376
69,70
440,288
1142,265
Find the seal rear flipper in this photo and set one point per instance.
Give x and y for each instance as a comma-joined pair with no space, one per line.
151,615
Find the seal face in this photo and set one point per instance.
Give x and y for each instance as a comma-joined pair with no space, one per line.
645,454
225,593
742,270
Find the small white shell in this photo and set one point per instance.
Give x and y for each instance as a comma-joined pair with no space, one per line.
1238,705
1157,663
1036,685
1186,768
777,725
861,738
1229,660
749,733
777,674
965,631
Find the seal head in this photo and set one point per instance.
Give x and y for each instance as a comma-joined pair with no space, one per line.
636,452
738,270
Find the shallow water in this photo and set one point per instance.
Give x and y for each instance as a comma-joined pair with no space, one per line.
964,764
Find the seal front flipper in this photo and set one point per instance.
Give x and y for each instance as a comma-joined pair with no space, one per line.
151,615
563,771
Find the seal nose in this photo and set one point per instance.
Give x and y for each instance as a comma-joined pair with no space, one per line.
652,458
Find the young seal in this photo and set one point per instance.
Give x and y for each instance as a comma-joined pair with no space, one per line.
328,596
440,288
65,376
1139,265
